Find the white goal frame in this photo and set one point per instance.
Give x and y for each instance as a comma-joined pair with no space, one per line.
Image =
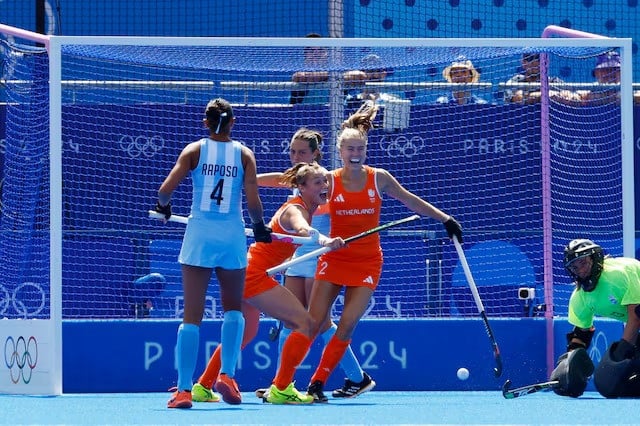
50,331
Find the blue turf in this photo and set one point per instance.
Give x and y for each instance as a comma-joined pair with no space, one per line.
372,408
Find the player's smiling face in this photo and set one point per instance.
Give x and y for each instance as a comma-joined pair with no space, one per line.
353,152
315,188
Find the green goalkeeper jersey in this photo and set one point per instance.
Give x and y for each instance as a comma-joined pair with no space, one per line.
618,286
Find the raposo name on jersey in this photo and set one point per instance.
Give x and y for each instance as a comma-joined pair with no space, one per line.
221,170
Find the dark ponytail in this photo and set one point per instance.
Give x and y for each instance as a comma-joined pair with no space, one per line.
219,115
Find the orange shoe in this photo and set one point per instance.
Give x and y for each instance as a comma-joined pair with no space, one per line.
180,399
228,388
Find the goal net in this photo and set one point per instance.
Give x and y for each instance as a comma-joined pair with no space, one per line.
524,166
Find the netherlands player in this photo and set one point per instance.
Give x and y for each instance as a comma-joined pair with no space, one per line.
356,198
264,294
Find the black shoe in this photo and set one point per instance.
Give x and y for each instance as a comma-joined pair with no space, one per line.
352,389
315,390
262,392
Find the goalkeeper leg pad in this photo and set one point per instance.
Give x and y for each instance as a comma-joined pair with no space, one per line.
572,372
612,377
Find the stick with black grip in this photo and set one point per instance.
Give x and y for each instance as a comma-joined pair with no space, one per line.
497,371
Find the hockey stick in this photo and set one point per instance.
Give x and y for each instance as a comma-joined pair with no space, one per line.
173,218
497,371
274,332
526,390
322,250
285,238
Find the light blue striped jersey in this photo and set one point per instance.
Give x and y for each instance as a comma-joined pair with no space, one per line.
218,181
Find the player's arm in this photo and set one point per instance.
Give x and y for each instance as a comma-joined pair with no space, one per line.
254,204
297,219
187,161
270,180
631,328
389,185
579,338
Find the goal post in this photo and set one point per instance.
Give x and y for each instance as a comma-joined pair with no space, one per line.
119,110
30,297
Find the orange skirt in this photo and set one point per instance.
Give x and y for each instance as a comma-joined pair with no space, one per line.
337,268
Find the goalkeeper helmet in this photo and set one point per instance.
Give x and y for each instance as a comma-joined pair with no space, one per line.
577,249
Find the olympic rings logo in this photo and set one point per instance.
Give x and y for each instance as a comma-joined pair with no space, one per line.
402,146
599,347
21,358
36,299
141,145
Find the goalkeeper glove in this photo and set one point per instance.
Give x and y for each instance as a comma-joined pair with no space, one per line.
165,210
623,350
261,233
453,228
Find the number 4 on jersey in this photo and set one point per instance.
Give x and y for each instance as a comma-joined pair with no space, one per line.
216,194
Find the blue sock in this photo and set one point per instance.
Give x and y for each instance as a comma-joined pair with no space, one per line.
232,331
187,354
348,363
284,333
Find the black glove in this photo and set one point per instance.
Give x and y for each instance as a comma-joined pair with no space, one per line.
572,373
261,233
622,350
165,210
453,228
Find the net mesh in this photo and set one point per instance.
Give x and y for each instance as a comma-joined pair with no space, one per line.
127,111
330,18
24,223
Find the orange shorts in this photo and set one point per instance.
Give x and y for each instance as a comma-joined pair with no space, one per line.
257,281
337,268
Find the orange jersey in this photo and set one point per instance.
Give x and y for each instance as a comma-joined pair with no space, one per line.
360,262
262,256
322,209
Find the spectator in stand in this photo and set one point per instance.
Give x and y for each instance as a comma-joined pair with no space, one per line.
462,72
530,94
607,74
316,60
372,71
314,57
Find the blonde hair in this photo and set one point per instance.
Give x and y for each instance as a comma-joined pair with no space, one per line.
358,124
297,175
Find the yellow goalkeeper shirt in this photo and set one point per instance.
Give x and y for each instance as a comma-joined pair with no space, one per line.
618,286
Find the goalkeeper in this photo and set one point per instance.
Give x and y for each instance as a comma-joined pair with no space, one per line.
608,287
